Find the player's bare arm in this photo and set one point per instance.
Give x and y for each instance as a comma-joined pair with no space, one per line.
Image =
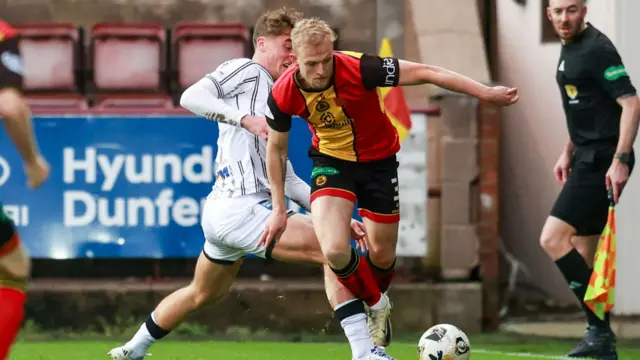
277,146
412,73
563,166
17,123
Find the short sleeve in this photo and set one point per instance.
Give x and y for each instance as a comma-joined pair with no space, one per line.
607,68
379,71
230,77
277,119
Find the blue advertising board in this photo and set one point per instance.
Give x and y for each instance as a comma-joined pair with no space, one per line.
125,186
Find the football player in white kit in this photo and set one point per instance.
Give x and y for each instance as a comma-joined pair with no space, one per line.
234,216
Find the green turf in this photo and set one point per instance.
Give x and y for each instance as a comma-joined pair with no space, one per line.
183,350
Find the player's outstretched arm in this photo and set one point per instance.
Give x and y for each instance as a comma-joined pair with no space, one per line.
17,123
419,74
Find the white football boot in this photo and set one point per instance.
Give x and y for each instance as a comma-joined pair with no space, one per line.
377,353
124,353
379,324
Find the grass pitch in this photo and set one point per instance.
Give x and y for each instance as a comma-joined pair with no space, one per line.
207,350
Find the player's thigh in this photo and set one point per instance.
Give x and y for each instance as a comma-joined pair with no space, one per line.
379,202
14,259
331,217
298,243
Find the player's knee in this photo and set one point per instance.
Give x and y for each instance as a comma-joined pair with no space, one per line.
382,257
338,254
554,238
11,104
203,297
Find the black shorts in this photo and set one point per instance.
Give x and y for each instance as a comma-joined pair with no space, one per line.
374,185
583,202
11,66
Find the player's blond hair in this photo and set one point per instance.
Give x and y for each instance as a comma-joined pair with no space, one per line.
311,32
276,22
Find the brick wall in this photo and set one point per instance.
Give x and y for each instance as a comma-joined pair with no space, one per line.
463,221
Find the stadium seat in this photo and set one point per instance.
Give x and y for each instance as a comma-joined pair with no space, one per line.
128,58
59,102
135,102
50,55
198,49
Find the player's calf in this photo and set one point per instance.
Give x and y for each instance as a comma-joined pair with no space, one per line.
211,282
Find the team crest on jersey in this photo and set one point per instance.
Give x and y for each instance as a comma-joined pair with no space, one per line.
322,106
572,93
321,180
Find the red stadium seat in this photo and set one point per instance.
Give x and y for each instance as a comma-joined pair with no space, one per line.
128,57
200,48
50,56
136,102
57,103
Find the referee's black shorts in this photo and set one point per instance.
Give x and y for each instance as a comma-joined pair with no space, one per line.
583,201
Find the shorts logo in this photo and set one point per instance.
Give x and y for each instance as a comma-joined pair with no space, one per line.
12,61
321,180
324,171
571,90
614,73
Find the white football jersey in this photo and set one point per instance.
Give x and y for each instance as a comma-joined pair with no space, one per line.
240,166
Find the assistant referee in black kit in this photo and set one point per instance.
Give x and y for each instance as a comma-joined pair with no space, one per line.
602,112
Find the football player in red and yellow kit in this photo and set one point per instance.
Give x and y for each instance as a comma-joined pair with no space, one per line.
354,150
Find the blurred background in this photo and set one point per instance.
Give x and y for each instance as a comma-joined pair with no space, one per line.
104,78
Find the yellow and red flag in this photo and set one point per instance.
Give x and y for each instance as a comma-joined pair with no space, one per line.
393,99
600,294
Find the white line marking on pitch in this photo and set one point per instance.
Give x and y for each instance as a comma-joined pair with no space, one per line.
515,354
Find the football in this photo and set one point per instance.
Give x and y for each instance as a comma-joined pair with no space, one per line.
444,342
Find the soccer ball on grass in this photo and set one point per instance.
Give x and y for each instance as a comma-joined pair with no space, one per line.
444,342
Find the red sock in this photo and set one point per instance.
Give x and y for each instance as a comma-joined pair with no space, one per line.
383,277
11,314
357,277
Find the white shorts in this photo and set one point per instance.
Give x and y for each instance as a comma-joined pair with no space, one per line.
233,227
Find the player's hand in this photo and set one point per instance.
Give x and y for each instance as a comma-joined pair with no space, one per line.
502,96
256,124
562,168
37,172
359,234
616,178
276,225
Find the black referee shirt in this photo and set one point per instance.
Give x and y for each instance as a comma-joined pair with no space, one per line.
591,76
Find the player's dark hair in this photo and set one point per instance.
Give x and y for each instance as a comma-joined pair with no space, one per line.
276,22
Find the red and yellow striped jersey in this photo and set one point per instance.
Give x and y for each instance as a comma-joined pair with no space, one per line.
347,119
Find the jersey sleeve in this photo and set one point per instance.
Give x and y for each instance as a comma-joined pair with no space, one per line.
231,77
609,71
379,71
277,119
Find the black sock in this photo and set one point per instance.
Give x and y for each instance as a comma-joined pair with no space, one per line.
154,329
577,274
353,308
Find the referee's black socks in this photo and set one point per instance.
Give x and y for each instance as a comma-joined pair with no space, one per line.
577,274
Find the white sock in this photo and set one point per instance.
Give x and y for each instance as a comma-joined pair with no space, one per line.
381,304
141,341
356,331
